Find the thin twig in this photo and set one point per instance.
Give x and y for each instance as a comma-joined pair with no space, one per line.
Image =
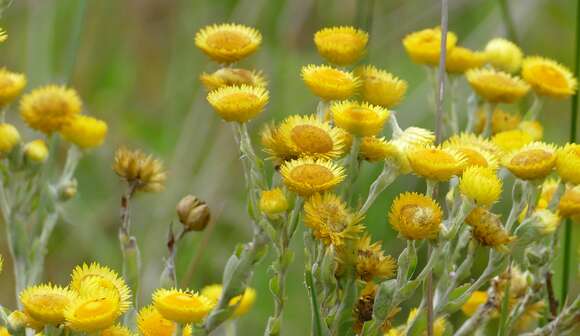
551,297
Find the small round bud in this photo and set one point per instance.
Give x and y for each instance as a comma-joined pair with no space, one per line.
273,202
17,320
193,213
36,151
9,137
68,190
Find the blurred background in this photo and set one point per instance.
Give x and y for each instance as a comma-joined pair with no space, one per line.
135,65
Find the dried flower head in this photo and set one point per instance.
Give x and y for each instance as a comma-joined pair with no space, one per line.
481,185
416,216
193,213
238,103
273,202
371,262
46,303
308,176
360,119
50,107
488,230
85,132
568,163
96,308
36,151
496,86
532,162
329,83
243,302
510,141
228,42
9,138
461,59
380,87
142,171
181,306
424,47
436,163
11,85
504,55
548,77
151,323
341,45
232,77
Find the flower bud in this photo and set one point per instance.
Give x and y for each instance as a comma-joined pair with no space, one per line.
9,137
193,213
68,190
504,55
36,151
273,202
17,320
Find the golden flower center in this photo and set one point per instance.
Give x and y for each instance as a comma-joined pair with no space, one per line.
228,39
333,77
312,174
473,157
530,157
51,301
181,299
342,38
361,113
236,98
550,76
93,308
311,138
417,214
497,80
437,156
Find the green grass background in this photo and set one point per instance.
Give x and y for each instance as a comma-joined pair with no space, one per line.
135,65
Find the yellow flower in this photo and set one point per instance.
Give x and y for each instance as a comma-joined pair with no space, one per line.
273,202
3,35
331,221
504,55
96,308
476,150
341,45
405,142
48,108
548,77
487,229
375,149
18,320
4,332
151,323
46,303
329,83
476,299
85,132
308,176
496,86
568,163
36,151
228,42
243,302
548,188
274,145
500,120
9,138
232,77
532,162
380,87
462,59
238,103
11,85
416,216
481,184
181,306
424,47
533,127
438,327
361,119
144,171
117,330
436,163
547,221
509,141
371,263
569,205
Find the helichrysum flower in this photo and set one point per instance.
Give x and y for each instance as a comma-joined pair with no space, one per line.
496,86
95,308
117,330
193,213
341,45
331,221
36,151
9,138
476,150
238,103
182,306
569,205
416,216
308,176
11,85
140,169
84,131
568,163
273,202
510,141
436,163
380,87
424,47
548,188
273,144
151,323
504,121
532,162
50,107
360,119
476,299
18,320
504,55
46,303
231,77
407,141
548,77
461,59
329,83
548,221
243,302
481,185
488,230
375,149
371,262
228,43
533,127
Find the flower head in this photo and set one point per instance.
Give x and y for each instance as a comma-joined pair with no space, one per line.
533,127
273,202
481,185
116,330
242,303
548,77
36,151
374,149
569,205
548,221
416,216
228,42
181,306
193,213
438,327
380,87
140,169
568,163
329,83
232,77
462,59
509,141
308,176
487,229
476,299
371,262
476,150
361,119
96,308
9,138
532,162
341,45
151,323
46,303
3,35
408,140
50,107
424,47
436,163
11,85
504,121
504,55
496,86
85,132
238,103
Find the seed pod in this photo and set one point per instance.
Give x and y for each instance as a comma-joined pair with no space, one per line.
193,213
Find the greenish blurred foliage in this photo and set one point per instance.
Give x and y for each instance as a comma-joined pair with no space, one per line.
135,66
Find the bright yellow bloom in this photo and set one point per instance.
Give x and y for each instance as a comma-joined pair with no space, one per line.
9,138
36,151
46,303
151,323
371,262
308,176
405,142
329,83
11,85
96,308
361,119
462,59
548,188
481,185
416,216
532,162
375,149
380,87
504,55
436,163
181,306
488,230
341,45
569,205
548,77
476,150
568,163
117,330
4,332
242,303
330,219
238,103
509,141
424,47
476,299
85,132
496,86
3,35
228,42
273,202
534,128
50,107
500,120
274,145
438,327
232,77
136,167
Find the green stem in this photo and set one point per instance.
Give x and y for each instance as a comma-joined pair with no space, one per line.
316,319
353,166
73,47
508,21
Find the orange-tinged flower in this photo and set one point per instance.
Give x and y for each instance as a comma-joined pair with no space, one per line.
416,216
497,86
341,45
